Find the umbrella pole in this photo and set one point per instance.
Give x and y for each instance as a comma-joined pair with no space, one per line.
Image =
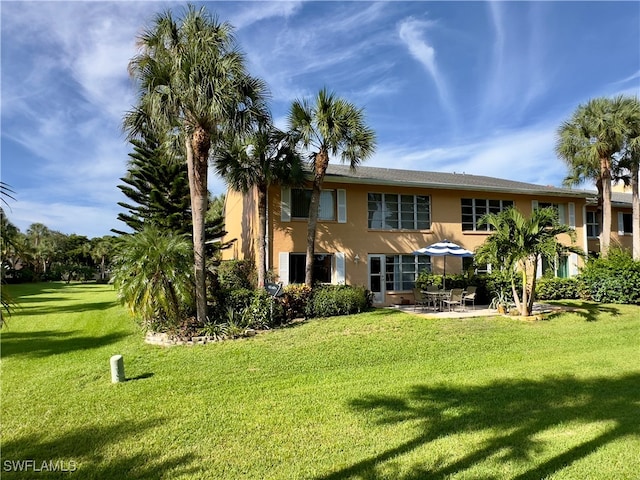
444,275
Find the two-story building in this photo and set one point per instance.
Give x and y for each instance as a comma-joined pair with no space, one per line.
372,219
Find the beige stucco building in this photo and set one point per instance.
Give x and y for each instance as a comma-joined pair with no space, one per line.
372,219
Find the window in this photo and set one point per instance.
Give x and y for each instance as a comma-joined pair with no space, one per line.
593,226
301,198
401,271
473,209
321,267
391,211
625,223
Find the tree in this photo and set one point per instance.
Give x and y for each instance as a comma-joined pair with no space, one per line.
630,160
152,276
329,127
193,79
157,186
589,143
519,244
102,250
39,237
263,158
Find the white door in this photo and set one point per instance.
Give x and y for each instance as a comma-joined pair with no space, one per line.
376,277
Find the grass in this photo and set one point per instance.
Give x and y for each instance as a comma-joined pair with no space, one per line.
381,395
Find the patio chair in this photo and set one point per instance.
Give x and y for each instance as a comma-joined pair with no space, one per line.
470,296
455,299
421,299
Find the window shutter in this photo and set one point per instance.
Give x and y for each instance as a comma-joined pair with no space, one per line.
283,267
339,276
342,205
285,205
572,215
573,264
562,218
534,205
620,223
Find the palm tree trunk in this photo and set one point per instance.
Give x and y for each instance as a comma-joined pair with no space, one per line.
262,235
635,199
197,146
321,163
605,236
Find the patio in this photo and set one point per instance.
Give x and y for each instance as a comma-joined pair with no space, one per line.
479,311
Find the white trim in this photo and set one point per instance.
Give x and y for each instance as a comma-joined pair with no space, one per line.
341,198
573,264
571,207
283,267
285,204
339,270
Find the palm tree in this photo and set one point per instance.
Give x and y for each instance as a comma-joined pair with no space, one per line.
264,158
330,127
589,143
152,276
192,79
519,244
630,160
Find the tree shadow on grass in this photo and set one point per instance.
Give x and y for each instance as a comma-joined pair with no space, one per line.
512,416
50,342
95,452
590,311
55,308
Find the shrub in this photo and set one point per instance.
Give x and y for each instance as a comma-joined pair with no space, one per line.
255,306
236,274
331,300
552,288
294,300
613,279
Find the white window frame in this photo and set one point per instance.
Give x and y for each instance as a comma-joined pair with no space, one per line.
384,212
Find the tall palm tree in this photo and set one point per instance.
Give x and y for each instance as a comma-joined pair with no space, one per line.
589,143
630,160
519,243
193,79
262,159
329,127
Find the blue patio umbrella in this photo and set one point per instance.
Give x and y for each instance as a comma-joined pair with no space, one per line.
444,249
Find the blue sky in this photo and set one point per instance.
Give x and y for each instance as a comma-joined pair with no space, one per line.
475,87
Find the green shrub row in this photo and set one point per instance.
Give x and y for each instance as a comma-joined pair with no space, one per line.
614,279
332,300
553,288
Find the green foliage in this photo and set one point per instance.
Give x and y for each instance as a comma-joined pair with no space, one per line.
236,274
294,300
553,288
612,279
427,279
332,300
153,277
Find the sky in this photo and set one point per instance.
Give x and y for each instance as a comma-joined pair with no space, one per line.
473,87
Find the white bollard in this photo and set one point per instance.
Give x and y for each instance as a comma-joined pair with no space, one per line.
117,369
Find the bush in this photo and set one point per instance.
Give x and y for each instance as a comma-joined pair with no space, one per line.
236,274
332,300
613,279
294,300
552,288
256,307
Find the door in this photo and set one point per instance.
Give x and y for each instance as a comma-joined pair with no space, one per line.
376,277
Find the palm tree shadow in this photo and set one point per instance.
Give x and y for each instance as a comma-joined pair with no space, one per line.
515,412
590,311
50,342
87,449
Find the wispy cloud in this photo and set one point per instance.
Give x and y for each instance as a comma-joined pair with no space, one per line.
412,34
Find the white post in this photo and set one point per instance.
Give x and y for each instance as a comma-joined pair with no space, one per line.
117,369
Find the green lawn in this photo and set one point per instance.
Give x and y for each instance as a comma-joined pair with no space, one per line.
382,395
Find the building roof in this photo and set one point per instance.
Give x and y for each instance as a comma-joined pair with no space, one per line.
442,180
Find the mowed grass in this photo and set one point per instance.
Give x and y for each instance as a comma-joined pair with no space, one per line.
381,395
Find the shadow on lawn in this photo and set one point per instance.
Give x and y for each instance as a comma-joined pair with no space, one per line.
515,412
97,455
50,342
590,311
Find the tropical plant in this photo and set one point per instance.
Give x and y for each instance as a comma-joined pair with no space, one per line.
519,243
329,127
152,276
261,159
193,79
630,161
590,143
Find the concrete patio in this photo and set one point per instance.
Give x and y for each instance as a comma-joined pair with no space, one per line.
468,312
